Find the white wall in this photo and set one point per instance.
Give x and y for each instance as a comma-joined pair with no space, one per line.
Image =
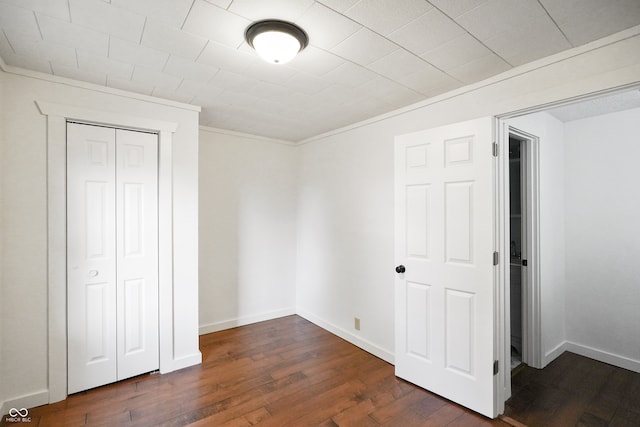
2,184
345,201
247,229
24,363
552,227
603,237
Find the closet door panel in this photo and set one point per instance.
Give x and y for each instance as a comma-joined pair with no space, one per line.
91,257
137,252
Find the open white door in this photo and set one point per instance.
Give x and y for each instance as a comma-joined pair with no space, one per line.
444,242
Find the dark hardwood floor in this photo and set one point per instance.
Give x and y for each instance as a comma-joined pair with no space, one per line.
289,372
575,391
283,372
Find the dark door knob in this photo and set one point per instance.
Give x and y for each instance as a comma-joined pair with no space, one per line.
400,269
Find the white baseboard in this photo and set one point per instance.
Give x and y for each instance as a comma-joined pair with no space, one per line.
27,401
245,320
368,346
553,354
603,356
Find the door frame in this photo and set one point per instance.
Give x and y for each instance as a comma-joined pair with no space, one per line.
57,116
531,325
503,380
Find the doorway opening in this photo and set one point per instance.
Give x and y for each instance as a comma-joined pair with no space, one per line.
520,241
517,246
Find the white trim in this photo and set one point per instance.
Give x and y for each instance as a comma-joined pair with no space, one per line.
10,69
104,118
245,320
368,346
246,135
57,115
554,353
28,401
507,75
532,329
595,354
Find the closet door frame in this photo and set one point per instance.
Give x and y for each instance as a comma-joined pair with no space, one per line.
57,116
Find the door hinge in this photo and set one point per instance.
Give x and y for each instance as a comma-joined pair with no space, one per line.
495,149
496,258
524,263
496,367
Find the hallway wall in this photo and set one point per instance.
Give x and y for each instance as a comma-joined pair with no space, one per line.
603,237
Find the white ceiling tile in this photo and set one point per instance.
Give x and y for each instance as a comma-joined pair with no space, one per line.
216,24
221,56
500,17
318,19
173,95
479,69
125,51
456,52
307,83
26,46
180,67
427,32
364,47
192,87
267,72
583,21
166,38
384,16
430,83
19,20
131,86
315,61
27,62
220,3
338,5
398,64
254,10
518,46
268,90
232,81
88,61
455,8
350,74
155,78
56,8
171,12
74,73
104,17
499,25
391,92
62,32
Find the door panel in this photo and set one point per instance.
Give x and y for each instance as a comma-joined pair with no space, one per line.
112,290
444,237
91,257
137,252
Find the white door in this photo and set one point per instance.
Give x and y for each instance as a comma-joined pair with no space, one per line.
91,257
112,289
444,203
137,252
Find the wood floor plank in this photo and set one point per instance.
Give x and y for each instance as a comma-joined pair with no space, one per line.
281,372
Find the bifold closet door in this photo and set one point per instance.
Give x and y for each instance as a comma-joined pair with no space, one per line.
112,255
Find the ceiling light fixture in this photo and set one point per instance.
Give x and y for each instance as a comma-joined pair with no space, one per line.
276,41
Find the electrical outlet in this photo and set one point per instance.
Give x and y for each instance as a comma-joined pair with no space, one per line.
356,323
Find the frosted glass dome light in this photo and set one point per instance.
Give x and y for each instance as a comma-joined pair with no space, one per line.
277,42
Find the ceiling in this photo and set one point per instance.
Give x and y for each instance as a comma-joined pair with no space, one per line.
605,104
365,58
